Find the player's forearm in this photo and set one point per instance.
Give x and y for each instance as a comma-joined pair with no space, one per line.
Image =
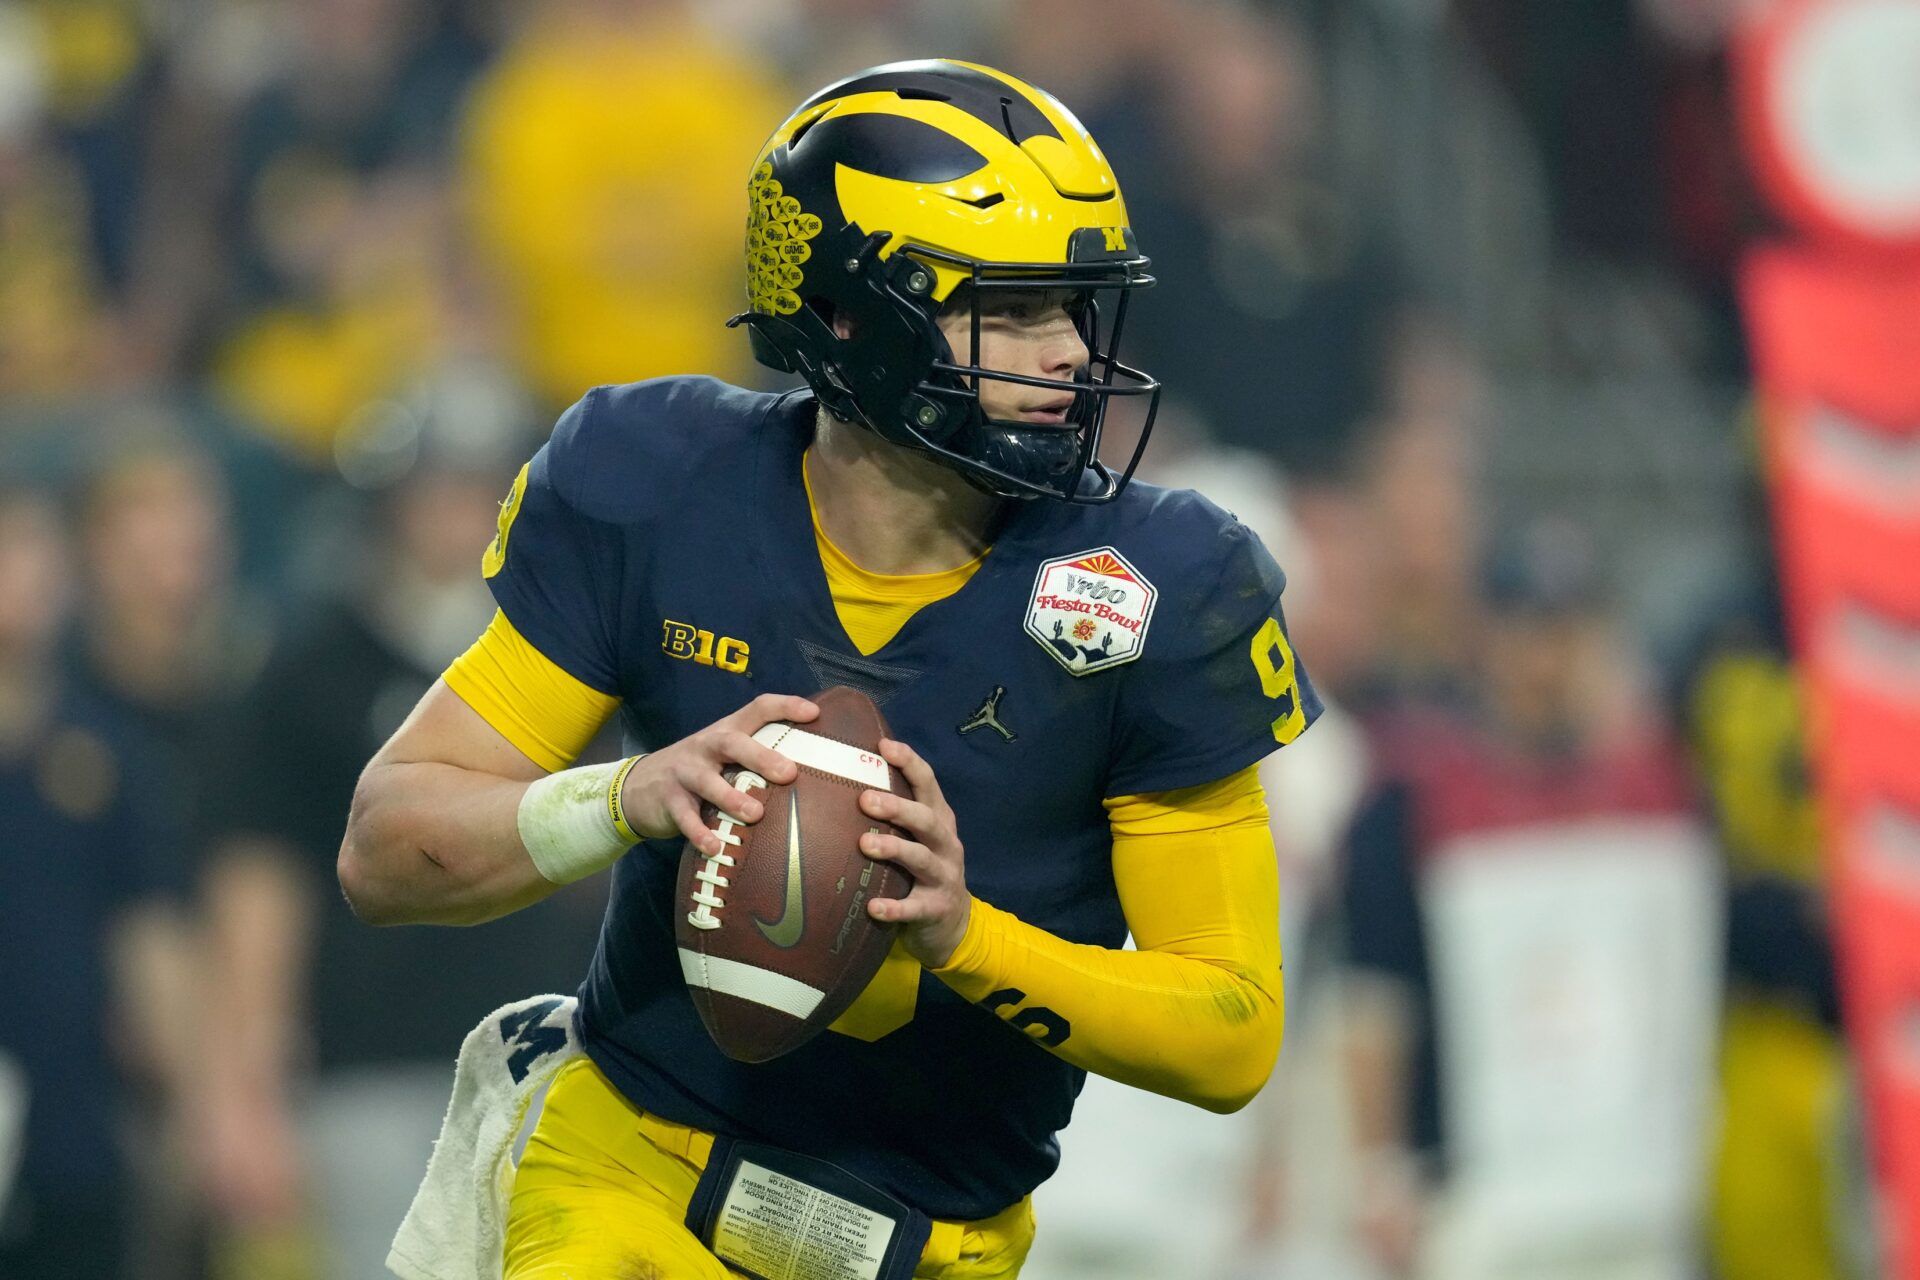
1203,1031
430,843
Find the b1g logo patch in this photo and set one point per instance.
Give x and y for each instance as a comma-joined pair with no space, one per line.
1090,610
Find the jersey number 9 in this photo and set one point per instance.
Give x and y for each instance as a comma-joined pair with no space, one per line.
1279,679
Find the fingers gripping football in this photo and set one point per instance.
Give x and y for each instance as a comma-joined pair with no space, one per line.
933,917
664,792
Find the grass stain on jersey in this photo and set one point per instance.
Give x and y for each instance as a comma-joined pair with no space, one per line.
1240,1002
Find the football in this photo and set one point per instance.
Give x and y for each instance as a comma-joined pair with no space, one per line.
774,936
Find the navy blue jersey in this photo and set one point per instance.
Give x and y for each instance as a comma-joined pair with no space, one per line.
660,547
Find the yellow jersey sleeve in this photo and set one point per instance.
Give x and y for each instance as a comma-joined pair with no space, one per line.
539,708
1234,799
1196,1012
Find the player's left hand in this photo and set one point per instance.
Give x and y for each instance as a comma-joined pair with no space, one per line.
933,916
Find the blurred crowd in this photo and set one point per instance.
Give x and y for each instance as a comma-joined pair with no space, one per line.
289,289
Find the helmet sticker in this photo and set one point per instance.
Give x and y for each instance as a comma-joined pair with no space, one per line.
777,234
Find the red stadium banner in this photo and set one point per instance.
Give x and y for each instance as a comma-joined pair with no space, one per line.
1836,345
1832,127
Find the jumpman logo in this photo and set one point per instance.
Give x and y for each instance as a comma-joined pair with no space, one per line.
988,716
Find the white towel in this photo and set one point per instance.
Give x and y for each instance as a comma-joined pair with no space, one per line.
456,1229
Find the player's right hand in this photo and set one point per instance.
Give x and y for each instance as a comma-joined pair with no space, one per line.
663,793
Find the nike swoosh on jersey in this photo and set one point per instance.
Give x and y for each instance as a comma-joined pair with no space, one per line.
786,931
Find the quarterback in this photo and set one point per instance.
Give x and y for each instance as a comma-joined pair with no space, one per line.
1081,674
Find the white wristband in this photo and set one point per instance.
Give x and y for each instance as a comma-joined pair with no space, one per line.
572,823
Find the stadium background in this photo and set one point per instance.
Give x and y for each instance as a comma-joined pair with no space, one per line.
1447,310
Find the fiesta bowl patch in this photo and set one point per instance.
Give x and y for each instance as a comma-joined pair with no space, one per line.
1090,610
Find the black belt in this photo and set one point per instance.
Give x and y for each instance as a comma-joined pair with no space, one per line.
779,1215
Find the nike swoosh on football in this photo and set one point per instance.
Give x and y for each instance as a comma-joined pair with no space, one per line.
786,931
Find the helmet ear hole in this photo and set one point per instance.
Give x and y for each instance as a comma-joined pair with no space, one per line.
840,323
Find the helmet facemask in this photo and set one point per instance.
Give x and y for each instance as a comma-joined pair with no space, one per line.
1021,459
903,381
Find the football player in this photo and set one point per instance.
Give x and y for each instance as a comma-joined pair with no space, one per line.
1082,674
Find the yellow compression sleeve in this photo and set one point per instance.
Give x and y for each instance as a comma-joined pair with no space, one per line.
874,606
539,708
1196,1012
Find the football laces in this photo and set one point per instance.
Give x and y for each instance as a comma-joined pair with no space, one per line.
708,900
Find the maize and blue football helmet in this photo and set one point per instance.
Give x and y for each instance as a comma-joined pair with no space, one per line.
897,191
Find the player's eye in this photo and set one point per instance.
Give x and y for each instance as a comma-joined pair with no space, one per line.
1026,308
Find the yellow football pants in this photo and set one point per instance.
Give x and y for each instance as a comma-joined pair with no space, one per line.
602,1193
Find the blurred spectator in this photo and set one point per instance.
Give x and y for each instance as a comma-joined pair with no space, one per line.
340,1038
99,65
164,633
1778,1180
51,320
1530,911
361,86
340,226
163,641
1420,527
1581,78
606,165
93,933
366,310
1273,304
1389,614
